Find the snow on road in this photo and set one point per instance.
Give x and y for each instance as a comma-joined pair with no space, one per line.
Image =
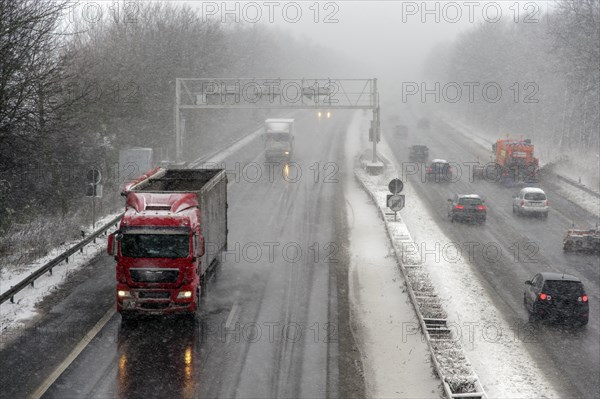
396,361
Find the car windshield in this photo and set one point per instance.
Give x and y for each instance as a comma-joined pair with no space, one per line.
535,196
561,288
155,245
469,201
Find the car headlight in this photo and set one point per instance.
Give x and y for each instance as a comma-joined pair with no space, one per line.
123,294
184,295
287,153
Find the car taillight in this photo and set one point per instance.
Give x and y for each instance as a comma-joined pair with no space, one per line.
522,202
459,207
480,207
429,169
583,298
547,202
544,297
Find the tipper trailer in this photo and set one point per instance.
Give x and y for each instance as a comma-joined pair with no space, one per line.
172,234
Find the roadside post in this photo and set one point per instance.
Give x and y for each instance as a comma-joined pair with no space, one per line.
93,189
395,201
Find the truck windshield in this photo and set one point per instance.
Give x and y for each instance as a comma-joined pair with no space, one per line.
278,136
155,245
278,127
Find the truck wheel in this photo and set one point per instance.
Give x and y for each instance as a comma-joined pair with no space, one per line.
567,246
127,319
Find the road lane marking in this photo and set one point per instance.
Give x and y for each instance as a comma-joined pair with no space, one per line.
73,355
231,316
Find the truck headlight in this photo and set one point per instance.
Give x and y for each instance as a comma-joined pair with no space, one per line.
123,294
184,294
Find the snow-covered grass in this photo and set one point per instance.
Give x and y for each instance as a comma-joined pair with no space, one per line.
24,307
495,350
395,359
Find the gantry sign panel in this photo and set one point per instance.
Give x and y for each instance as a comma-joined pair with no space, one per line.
193,93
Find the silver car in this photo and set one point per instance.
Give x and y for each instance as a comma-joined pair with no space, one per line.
531,200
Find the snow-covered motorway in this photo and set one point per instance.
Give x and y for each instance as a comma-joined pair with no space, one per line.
272,324
517,248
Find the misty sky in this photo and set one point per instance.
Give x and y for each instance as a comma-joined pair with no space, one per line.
391,38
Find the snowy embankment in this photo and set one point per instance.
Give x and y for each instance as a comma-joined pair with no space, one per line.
396,361
573,191
494,348
24,307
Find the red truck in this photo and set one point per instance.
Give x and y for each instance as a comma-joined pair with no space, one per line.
172,234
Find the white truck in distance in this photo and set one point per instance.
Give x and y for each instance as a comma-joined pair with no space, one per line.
279,139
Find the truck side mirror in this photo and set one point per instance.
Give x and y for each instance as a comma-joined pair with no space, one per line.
198,245
110,249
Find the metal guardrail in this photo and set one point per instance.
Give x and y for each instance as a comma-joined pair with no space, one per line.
578,185
54,262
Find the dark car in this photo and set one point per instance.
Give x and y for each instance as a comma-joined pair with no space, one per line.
401,131
439,171
467,207
418,153
558,297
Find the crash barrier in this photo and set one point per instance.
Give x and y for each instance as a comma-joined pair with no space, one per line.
578,185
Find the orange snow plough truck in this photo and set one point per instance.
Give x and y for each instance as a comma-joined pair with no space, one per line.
172,233
514,162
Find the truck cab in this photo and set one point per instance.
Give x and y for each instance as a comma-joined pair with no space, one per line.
278,138
172,232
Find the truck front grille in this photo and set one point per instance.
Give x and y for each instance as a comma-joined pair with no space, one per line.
154,275
154,305
154,294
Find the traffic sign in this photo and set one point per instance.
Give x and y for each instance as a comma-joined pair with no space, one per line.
93,176
396,186
395,202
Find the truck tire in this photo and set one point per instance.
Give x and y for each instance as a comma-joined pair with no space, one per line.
568,246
